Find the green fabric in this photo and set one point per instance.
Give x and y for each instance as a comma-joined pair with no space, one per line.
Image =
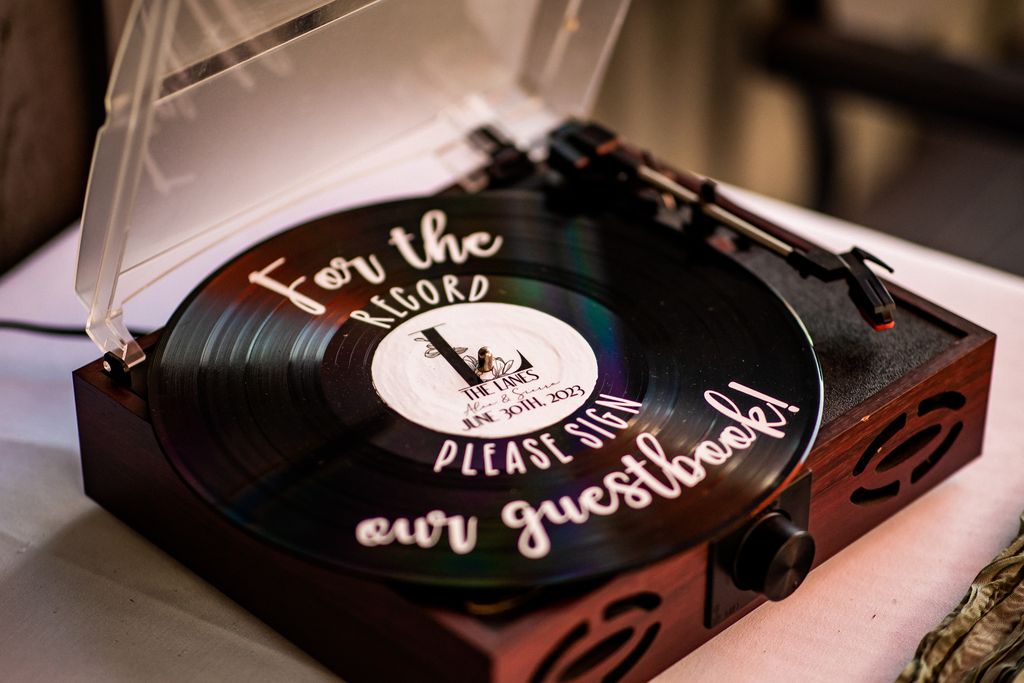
982,640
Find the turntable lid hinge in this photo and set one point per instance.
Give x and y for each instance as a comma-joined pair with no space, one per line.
123,375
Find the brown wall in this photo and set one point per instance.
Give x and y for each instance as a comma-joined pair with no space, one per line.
682,82
52,67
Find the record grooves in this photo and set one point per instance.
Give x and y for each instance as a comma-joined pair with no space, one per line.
323,391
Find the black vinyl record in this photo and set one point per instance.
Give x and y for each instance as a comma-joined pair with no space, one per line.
643,393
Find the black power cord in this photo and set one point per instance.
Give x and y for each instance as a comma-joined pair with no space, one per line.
56,330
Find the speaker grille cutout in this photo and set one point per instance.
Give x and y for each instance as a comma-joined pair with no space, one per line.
614,654
934,458
891,464
908,449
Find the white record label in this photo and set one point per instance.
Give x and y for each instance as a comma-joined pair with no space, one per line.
426,369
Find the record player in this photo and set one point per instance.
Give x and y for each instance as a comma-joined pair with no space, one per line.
564,420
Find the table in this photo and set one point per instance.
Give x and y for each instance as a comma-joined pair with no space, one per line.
83,596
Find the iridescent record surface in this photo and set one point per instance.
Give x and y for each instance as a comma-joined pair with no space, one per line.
640,393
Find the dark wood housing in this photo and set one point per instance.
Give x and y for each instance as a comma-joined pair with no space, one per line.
868,462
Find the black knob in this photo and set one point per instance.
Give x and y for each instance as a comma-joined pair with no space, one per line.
774,557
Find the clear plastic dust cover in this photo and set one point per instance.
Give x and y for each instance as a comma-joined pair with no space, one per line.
218,113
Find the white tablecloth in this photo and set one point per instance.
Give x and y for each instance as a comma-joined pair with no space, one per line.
84,597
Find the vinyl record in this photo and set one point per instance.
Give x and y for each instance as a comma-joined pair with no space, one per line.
642,393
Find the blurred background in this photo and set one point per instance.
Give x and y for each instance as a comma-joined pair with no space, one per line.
903,115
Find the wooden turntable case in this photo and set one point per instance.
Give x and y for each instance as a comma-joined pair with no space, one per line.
869,460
